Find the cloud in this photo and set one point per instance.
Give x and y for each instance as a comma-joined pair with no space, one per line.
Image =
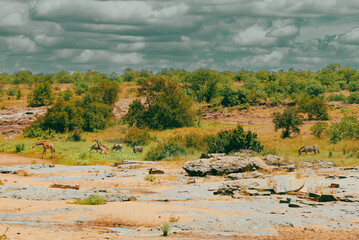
265,61
254,36
351,37
20,44
94,56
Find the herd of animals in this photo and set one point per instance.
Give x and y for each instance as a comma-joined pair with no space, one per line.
98,146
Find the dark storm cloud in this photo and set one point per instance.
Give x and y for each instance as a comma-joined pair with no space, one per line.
107,36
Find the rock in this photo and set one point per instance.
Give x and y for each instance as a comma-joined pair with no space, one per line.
330,176
313,195
281,184
327,198
236,176
334,185
224,165
342,176
200,167
289,167
231,187
287,200
251,192
155,171
307,164
211,155
325,164
293,205
191,181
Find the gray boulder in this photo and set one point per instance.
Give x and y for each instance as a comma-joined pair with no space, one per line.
224,165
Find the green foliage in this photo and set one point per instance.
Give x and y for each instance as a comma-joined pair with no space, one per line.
336,97
19,147
347,128
166,227
204,84
318,128
75,136
92,200
289,121
166,106
137,137
41,95
14,91
150,177
353,98
315,108
232,97
315,89
233,140
66,95
105,92
166,150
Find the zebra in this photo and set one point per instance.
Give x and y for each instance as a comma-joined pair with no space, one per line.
306,149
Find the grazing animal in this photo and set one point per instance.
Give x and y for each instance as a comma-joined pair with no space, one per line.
96,147
117,147
100,145
137,149
306,149
46,145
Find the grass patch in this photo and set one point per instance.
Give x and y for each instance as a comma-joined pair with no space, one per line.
150,178
92,200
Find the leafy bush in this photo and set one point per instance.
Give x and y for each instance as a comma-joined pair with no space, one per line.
353,98
336,97
19,147
14,91
75,136
41,95
318,128
92,200
166,106
166,150
233,140
315,89
66,95
166,227
347,128
195,140
289,121
137,137
232,97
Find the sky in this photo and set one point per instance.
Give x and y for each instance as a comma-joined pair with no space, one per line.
47,36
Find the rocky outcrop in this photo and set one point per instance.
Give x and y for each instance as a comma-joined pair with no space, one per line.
224,165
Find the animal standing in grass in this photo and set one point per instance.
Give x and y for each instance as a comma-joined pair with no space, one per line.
117,147
96,147
137,149
46,145
313,148
100,145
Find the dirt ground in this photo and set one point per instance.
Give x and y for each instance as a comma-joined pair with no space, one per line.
163,200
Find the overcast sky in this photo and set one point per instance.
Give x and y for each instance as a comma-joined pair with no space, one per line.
109,36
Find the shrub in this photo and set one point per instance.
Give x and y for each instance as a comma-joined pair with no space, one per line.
315,108
195,140
137,137
233,140
353,98
165,229
289,121
92,200
41,95
232,97
166,150
315,89
150,177
75,136
13,91
19,147
336,97
347,128
318,128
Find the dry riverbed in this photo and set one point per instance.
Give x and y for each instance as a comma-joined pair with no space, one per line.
240,205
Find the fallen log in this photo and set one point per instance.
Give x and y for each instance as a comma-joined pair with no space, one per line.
55,185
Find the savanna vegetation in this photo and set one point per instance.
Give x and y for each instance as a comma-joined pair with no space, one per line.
167,112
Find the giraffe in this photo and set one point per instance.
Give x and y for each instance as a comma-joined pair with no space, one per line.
103,149
46,145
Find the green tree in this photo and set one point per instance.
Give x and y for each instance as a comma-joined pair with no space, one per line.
204,84
316,108
318,128
41,95
166,106
289,121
